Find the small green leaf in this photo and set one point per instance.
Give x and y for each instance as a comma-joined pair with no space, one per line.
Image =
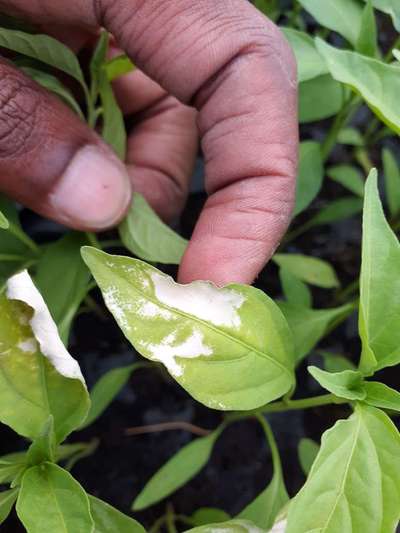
146,235
354,483
309,326
113,131
347,384
7,500
4,224
233,526
336,363
265,508
310,175
310,63
177,471
380,395
42,448
118,66
44,49
391,8
348,176
377,82
97,63
320,98
396,54
107,519
337,210
392,181
307,452
367,42
229,347
269,8
63,299
209,515
106,389
308,269
350,136
379,316
296,292
342,16
11,466
50,499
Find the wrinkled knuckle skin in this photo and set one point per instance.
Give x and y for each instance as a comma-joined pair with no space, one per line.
18,111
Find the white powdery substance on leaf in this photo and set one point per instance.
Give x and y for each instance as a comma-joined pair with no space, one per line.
115,305
148,309
200,299
279,527
166,351
28,345
20,287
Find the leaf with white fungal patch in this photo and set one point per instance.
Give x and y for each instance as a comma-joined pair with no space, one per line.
229,347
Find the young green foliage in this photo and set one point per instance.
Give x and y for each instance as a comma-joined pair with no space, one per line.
367,42
308,269
391,172
349,177
310,63
307,452
7,501
320,98
310,175
346,384
296,291
107,519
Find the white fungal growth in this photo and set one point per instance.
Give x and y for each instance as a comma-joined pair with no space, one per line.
148,309
200,299
20,287
279,527
115,305
167,351
28,345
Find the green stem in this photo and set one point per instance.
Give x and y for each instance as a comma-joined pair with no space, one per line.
340,121
93,240
24,238
155,528
170,520
306,403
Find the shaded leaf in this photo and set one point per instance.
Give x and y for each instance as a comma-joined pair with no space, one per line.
337,210
233,526
319,98
391,8
392,181
7,500
310,175
346,384
113,132
107,519
380,395
310,63
336,363
367,42
308,269
348,176
296,292
307,452
209,515
145,235
350,136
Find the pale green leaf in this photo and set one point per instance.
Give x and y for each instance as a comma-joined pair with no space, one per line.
113,131
342,16
348,176
367,42
392,181
396,54
63,299
209,515
308,269
43,48
310,175
309,326
336,363
107,519
233,526
230,348
350,136
307,452
337,210
380,395
377,82
320,98
51,500
390,7
379,316
264,509
296,292
7,500
4,224
118,66
310,63
346,384
354,483
11,466
177,471
146,235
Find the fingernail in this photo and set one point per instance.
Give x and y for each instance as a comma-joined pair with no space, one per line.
94,191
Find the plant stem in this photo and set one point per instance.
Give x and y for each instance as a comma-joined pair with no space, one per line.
340,121
168,426
306,403
170,520
93,240
155,528
24,238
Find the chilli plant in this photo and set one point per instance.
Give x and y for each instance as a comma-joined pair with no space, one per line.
233,349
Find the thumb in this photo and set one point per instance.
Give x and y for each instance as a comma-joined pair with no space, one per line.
52,162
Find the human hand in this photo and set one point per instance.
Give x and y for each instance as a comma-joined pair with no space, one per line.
221,57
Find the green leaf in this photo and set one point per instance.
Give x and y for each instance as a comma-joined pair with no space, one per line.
337,210
50,499
336,363
107,519
269,8
106,389
342,16
113,131
348,176
310,175
43,447
7,500
233,526
11,466
44,49
347,384
354,483
350,136
4,224
230,348
63,299
367,42
396,54
377,82
392,181
308,269
296,292
307,452
310,63
320,98
380,395
391,8
309,326
118,66
177,471
97,63
146,235
209,515
38,377
379,316
53,84
265,508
